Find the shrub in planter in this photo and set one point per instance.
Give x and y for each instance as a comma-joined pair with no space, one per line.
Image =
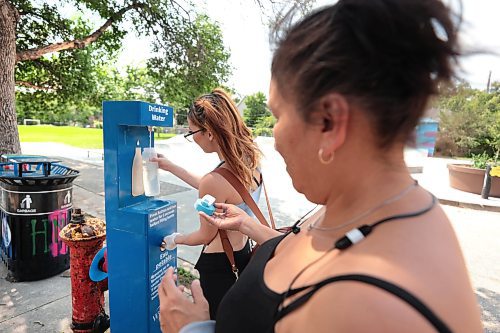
480,161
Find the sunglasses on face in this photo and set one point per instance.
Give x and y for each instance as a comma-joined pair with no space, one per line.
190,133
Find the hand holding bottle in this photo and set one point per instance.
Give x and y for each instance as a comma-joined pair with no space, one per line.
231,217
163,162
150,173
178,171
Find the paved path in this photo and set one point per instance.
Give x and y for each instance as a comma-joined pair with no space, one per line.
478,233
45,306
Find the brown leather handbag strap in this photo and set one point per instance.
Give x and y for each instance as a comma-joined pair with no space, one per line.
245,195
247,198
228,248
268,204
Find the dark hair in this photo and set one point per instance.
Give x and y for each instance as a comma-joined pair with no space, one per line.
387,55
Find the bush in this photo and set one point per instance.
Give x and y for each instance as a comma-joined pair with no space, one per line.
262,131
185,277
181,116
469,124
480,161
256,109
264,126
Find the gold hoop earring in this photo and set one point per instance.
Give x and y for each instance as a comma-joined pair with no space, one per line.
322,160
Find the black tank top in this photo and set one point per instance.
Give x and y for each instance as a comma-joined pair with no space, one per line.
250,306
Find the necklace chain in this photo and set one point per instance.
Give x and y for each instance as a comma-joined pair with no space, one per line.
366,213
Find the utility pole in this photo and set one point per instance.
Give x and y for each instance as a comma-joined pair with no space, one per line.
488,84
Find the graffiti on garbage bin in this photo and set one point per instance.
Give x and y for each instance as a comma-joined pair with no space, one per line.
43,234
6,235
56,221
59,220
6,243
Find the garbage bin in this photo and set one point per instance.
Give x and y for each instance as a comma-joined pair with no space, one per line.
426,134
35,204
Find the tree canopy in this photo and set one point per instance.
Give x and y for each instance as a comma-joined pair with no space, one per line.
64,63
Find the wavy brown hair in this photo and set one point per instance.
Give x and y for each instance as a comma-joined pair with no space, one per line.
217,113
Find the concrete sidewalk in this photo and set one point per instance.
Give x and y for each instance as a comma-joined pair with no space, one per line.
45,306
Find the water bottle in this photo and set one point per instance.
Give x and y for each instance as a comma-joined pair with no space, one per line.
137,174
150,173
205,204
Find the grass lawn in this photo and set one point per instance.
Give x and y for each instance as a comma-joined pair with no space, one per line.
90,138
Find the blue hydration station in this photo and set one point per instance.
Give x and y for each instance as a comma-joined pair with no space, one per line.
135,223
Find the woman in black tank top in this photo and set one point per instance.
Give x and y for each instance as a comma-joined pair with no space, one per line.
349,84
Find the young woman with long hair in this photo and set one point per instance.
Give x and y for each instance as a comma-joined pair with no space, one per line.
216,125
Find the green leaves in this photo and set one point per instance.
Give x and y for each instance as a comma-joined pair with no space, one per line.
256,109
189,57
257,115
196,64
469,122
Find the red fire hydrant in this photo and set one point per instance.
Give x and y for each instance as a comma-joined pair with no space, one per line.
84,237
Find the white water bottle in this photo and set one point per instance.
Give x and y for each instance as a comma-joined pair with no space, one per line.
137,183
150,173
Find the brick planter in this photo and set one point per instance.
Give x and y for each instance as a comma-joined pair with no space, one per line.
469,179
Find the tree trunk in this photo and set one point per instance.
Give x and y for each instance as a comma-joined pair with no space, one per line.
9,136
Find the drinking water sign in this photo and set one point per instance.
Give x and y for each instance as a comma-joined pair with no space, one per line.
162,114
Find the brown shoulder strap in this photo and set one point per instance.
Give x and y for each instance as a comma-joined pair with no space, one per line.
247,198
228,249
268,204
245,195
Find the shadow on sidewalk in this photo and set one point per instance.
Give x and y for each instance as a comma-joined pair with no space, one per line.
489,302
